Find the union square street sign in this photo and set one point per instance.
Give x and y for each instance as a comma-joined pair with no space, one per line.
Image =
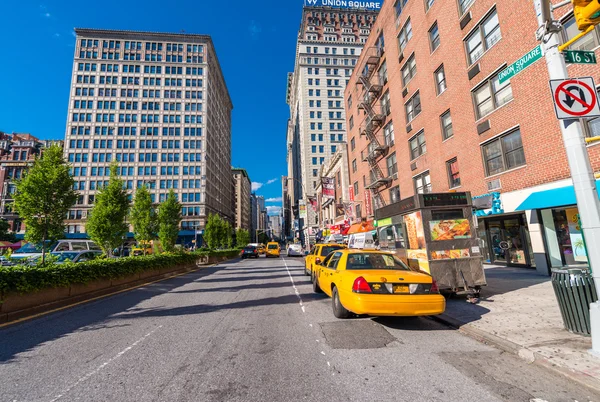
528,59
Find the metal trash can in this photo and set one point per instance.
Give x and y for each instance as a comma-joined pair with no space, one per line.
575,291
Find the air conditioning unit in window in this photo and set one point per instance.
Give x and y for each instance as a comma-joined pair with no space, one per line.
494,185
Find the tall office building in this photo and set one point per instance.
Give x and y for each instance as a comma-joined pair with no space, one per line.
330,41
157,104
242,198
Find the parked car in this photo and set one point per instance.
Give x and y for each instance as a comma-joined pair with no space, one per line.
318,254
272,249
61,257
249,251
295,250
376,283
30,250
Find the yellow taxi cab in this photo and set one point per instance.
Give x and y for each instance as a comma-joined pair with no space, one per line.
272,249
318,254
376,283
261,249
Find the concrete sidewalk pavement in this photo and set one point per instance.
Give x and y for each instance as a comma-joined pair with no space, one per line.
518,312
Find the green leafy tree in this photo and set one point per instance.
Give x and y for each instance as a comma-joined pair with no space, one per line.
143,217
228,235
169,217
106,224
242,237
215,232
263,237
44,196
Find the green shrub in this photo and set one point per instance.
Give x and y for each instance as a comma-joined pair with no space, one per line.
26,279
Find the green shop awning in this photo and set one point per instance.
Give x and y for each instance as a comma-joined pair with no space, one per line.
556,197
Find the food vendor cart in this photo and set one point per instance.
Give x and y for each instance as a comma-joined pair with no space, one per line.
435,233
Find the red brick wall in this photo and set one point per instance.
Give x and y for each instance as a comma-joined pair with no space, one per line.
531,109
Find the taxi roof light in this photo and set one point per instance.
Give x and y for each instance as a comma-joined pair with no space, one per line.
361,286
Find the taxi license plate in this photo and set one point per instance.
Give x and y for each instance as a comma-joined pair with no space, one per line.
400,288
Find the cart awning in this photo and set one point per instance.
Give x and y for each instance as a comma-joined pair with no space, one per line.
361,227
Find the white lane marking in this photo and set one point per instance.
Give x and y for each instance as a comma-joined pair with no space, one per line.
310,325
106,363
323,353
294,286
329,364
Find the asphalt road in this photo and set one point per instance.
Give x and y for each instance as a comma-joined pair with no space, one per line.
253,331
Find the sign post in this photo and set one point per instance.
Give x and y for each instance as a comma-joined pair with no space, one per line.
582,174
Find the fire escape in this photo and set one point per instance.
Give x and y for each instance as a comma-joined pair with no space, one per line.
374,120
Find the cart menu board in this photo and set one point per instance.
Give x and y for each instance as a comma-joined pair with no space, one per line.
450,229
416,252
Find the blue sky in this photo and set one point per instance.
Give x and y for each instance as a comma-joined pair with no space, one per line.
255,43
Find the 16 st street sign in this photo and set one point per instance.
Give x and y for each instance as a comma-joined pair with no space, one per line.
528,59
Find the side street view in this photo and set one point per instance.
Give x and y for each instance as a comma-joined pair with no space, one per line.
318,200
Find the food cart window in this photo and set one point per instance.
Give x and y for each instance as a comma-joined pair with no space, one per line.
440,215
391,237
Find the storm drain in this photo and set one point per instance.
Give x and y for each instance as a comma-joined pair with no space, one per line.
356,334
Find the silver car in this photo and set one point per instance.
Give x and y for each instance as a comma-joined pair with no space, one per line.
60,257
295,250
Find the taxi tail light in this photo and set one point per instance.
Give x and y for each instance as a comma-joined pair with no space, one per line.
361,285
434,287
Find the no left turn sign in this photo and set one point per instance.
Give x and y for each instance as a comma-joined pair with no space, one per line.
575,98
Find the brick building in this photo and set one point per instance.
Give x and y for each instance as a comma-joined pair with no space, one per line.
427,113
17,153
242,198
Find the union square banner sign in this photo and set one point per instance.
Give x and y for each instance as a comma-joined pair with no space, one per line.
354,4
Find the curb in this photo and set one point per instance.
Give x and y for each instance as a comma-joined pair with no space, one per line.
522,352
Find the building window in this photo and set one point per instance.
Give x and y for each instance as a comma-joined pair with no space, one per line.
422,183
405,35
409,70
428,4
417,145
453,174
592,128
352,144
382,73
490,95
391,164
394,194
485,35
446,122
588,42
358,213
440,80
434,37
388,134
463,5
413,107
380,44
354,167
385,104
351,122
355,189
503,153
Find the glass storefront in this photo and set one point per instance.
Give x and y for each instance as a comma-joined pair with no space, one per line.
505,240
564,240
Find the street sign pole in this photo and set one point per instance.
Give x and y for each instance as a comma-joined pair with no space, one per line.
584,182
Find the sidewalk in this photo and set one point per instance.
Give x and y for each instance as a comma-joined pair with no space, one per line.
518,312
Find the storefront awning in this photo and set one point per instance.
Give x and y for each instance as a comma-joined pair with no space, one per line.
556,197
361,227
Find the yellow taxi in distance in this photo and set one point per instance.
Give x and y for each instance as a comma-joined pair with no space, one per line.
261,249
376,283
272,249
318,254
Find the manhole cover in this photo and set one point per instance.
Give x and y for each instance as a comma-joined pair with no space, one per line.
357,334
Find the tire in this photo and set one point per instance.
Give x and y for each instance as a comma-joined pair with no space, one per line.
315,283
339,311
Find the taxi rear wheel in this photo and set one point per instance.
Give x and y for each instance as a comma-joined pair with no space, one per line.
315,283
339,311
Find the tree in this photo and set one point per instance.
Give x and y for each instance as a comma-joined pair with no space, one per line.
106,224
169,217
143,217
5,235
228,235
242,238
44,196
211,231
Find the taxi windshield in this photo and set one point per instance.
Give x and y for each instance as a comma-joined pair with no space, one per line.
375,261
272,246
325,250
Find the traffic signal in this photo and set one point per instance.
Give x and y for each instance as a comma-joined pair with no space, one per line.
587,13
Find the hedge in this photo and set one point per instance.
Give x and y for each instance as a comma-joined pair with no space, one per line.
25,279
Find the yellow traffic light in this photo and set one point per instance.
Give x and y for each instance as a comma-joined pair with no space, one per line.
587,13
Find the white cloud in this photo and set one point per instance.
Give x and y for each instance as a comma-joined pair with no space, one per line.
47,15
254,29
271,181
256,185
74,34
57,35
276,199
271,210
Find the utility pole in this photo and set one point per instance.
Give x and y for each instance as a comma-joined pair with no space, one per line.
582,174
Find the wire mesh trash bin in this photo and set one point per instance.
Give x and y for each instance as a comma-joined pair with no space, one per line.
575,291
